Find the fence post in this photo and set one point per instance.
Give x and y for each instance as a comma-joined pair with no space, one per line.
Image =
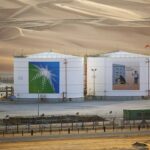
95,130
17,127
130,127
13,133
50,126
50,131
39,127
93,125
41,132
139,127
61,125
6,127
113,128
22,132
31,132
87,130
82,125
134,123
78,130
72,126
104,128
113,124
28,127
68,130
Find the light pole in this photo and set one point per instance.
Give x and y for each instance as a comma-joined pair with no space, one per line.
94,77
148,61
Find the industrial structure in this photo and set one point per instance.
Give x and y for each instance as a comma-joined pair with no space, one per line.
119,74
49,76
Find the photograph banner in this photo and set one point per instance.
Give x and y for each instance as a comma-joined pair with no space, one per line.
125,76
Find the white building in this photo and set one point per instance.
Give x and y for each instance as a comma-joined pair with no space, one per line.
118,74
48,76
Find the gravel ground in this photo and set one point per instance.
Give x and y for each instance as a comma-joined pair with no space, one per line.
101,108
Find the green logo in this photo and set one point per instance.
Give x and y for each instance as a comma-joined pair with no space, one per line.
44,77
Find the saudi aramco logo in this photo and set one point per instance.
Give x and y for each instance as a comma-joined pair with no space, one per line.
44,77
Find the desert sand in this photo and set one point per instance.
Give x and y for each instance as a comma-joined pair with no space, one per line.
79,27
79,144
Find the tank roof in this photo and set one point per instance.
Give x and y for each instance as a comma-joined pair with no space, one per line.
123,54
50,55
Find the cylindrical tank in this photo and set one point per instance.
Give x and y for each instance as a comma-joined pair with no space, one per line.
49,75
118,74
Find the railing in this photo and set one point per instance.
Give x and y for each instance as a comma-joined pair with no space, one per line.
73,127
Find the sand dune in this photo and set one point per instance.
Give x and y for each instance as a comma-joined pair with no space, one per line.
27,11
97,9
10,33
11,4
73,26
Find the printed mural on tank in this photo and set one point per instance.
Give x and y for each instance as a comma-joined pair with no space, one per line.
126,76
44,77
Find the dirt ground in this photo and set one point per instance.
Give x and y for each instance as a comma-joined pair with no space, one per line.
124,143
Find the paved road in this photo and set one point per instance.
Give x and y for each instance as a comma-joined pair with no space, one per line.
73,136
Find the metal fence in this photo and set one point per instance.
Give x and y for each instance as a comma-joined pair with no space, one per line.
105,125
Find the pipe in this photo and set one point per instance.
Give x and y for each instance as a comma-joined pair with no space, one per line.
66,88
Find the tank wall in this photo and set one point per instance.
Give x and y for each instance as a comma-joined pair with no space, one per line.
75,78
104,85
95,67
20,77
74,69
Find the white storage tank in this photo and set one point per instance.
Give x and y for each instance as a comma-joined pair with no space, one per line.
48,76
118,74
